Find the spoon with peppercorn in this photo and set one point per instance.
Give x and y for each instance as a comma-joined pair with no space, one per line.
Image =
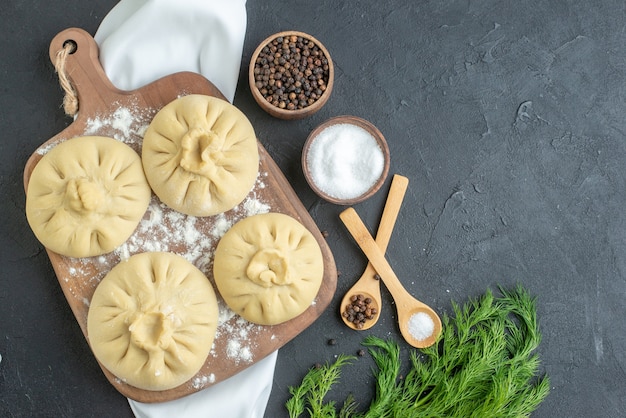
361,305
419,323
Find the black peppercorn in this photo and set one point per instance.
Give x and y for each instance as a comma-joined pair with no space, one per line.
359,310
289,72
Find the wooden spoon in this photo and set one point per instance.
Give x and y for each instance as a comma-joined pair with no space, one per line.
368,284
409,308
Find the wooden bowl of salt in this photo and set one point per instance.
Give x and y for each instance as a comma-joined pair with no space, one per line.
345,160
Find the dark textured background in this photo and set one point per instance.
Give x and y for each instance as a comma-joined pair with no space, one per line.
507,117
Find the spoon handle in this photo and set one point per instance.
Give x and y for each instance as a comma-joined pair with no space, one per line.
397,190
364,239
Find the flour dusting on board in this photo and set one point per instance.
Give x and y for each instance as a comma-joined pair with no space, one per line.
126,124
43,150
164,229
199,382
240,333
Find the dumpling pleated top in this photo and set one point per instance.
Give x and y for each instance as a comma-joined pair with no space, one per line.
268,268
152,320
200,155
86,196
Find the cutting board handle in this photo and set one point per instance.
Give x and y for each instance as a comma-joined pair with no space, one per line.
83,69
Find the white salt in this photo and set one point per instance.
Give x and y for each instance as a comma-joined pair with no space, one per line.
421,326
345,161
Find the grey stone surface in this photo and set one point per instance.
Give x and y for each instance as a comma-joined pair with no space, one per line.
508,119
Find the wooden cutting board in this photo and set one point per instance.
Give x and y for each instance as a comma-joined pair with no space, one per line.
107,111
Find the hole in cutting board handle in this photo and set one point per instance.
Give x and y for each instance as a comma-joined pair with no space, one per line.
83,70
73,44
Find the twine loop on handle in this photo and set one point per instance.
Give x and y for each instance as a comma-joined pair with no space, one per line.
70,101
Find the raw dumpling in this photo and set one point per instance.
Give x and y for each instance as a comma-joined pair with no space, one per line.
152,320
268,268
200,155
86,196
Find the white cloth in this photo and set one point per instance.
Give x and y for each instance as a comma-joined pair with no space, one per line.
141,41
242,395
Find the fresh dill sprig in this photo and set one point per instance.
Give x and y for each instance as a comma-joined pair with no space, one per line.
484,364
309,395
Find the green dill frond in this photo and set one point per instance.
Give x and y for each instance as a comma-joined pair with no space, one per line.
349,407
386,355
297,403
310,394
482,365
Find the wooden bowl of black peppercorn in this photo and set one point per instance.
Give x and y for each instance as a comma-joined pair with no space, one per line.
291,75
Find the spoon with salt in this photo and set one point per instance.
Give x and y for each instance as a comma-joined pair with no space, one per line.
368,285
419,323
